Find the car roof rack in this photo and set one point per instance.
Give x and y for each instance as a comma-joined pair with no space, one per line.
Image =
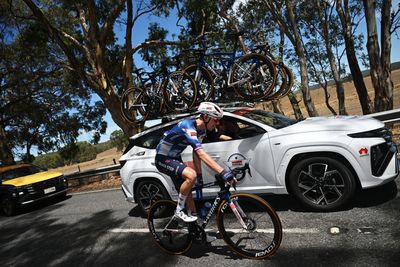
227,106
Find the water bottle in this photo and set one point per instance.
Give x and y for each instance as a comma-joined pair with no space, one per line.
204,210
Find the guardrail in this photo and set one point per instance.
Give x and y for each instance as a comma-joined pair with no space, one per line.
89,176
385,116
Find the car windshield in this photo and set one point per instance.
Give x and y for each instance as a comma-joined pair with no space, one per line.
271,119
19,172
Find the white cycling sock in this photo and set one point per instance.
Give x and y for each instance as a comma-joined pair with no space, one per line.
181,202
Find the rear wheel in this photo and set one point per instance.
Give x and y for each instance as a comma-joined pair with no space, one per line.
263,233
170,233
148,192
322,183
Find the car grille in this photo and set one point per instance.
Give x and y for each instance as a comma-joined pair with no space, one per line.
40,186
382,154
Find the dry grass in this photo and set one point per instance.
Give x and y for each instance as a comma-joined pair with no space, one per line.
352,103
105,158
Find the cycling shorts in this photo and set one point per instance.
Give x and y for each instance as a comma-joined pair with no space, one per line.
173,167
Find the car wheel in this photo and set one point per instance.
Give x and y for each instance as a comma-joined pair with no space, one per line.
8,206
322,183
148,192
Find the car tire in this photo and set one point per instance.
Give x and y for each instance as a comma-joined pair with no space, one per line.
148,192
322,183
8,206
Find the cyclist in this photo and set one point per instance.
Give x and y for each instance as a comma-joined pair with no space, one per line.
168,158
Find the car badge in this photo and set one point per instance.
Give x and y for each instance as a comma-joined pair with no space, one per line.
363,152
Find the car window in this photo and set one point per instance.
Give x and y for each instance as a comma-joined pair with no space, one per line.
271,119
233,128
151,139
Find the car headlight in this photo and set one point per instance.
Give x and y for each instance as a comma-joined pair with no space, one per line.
381,132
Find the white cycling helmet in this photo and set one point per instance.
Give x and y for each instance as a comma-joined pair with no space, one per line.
211,110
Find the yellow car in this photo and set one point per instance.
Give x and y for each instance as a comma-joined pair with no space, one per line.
25,183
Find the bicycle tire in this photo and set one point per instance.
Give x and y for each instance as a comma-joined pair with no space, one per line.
179,91
250,82
130,110
289,78
205,83
280,84
264,236
175,241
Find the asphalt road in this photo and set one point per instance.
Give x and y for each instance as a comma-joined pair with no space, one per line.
102,229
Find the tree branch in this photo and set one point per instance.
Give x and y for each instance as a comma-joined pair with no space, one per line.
109,23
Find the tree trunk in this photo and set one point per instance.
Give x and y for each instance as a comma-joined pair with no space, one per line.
295,106
374,55
277,106
386,44
6,155
332,61
356,73
312,112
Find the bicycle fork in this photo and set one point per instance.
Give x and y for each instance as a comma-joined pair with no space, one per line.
237,210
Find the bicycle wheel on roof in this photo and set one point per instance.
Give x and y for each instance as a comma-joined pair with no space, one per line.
253,76
179,91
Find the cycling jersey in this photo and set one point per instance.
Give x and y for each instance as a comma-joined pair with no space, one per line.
179,137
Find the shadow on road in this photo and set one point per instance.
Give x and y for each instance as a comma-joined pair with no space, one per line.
363,199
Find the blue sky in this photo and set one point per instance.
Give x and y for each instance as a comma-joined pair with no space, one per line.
140,33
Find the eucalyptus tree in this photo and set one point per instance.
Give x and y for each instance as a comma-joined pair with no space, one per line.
41,103
379,51
350,15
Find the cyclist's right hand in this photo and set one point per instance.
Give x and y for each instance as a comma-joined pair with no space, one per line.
227,175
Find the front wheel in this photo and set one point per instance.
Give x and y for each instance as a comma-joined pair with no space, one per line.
259,235
170,234
322,183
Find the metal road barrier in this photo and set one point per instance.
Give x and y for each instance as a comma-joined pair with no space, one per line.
89,176
389,116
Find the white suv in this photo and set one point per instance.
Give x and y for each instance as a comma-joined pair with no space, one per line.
320,161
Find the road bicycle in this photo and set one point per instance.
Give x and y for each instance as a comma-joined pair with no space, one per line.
252,76
246,222
284,76
157,93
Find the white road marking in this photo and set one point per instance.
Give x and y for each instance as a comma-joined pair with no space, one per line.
289,231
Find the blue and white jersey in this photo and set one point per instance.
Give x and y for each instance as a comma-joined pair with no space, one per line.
179,137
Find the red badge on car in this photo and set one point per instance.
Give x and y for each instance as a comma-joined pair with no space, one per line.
363,152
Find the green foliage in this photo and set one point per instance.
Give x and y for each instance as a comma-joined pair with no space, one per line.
104,146
119,139
42,104
50,160
78,152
